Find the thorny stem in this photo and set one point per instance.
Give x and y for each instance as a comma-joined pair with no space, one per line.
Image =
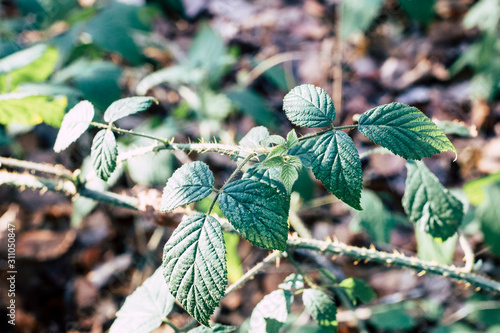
333,247
55,170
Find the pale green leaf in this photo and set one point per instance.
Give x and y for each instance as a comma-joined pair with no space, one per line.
104,153
292,281
258,211
194,264
274,139
404,130
277,151
191,182
289,175
489,215
435,250
254,138
356,16
450,127
273,162
484,15
294,161
216,328
291,139
475,189
74,124
335,162
144,310
127,106
427,203
309,106
173,76
271,312
34,64
358,289
29,109
321,307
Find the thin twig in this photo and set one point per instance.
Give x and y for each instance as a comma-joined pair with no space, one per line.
468,253
56,170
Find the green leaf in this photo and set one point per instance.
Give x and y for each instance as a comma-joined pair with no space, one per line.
320,307
291,139
254,105
270,177
127,106
271,312
421,10
289,175
357,16
216,328
393,317
335,162
303,151
273,162
274,139
174,76
428,204
144,310
278,151
28,109
358,289
309,106
191,182
254,138
484,15
404,130
431,249
234,269
258,211
55,90
457,128
292,281
375,219
74,124
294,161
194,264
489,215
34,64
104,154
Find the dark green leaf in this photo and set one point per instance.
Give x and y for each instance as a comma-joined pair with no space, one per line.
271,312
104,154
74,124
194,264
254,105
309,106
419,10
358,289
404,130
191,182
144,310
303,151
28,109
335,162
292,281
289,175
427,203
127,106
258,211
320,307
271,177
392,317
